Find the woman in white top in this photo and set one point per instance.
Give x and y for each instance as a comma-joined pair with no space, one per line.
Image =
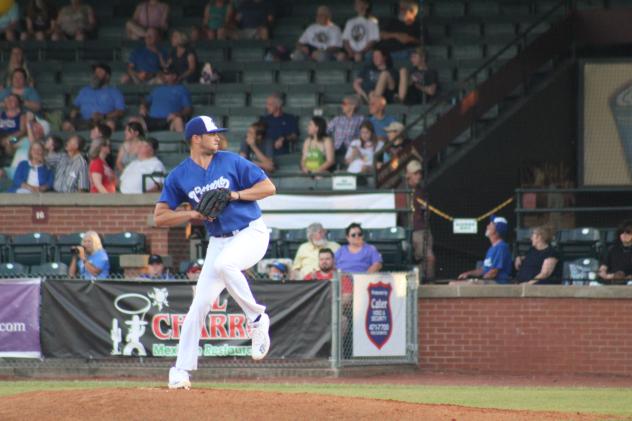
360,153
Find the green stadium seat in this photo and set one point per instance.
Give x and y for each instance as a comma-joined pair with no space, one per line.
52,269
467,52
275,247
171,159
63,245
507,29
579,243
436,31
394,245
294,77
580,271
169,142
12,270
523,241
326,76
200,94
229,98
32,249
465,30
448,9
301,97
508,53
292,239
337,235
484,8
4,248
258,76
609,237
435,52
259,94
122,243
515,8
590,4
247,54
211,55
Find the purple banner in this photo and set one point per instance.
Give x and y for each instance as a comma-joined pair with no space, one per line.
19,318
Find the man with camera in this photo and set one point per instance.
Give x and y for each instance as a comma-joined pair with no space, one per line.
89,259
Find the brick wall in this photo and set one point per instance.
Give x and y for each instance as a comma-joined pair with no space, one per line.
526,335
103,219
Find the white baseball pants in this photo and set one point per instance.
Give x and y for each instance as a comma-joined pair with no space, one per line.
225,259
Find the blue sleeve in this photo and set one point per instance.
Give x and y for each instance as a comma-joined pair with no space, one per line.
185,97
248,173
499,257
48,177
32,95
79,98
100,260
19,176
375,255
119,100
171,194
133,57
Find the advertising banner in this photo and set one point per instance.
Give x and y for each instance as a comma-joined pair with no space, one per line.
607,124
19,318
123,318
379,315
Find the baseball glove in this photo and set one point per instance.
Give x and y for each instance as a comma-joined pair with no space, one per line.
213,202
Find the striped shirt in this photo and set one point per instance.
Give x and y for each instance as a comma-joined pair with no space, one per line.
71,175
344,129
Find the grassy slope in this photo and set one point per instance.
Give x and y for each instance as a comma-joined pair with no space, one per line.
615,401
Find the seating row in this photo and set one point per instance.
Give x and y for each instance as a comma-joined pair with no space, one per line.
575,243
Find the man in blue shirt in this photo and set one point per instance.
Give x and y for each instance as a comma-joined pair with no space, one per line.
97,103
90,259
497,264
281,128
145,61
170,104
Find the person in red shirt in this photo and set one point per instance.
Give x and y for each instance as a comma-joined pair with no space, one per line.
326,266
102,177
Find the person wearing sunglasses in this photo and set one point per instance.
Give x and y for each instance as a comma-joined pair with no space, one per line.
358,256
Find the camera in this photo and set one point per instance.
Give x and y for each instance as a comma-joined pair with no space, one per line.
74,251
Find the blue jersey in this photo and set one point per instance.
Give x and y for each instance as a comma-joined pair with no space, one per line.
188,182
498,257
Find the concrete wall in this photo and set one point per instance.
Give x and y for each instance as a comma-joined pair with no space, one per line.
526,330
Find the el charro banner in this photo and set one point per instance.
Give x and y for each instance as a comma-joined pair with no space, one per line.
122,318
19,318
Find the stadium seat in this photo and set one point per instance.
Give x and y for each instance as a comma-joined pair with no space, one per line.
580,271
12,270
32,249
327,76
609,237
302,96
523,241
448,9
295,77
393,244
484,8
229,98
275,246
578,243
52,269
292,239
184,265
337,235
122,243
467,52
260,93
4,248
465,30
63,245
258,76
247,54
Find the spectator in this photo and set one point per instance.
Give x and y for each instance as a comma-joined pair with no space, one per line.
422,240
345,127
183,59
399,36
216,14
40,20
156,269
377,78
71,174
277,271
539,265
99,133
29,96
54,151
32,175
255,149
145,61
616,266
497,264
148,14
90,259
378,117
36,131
17,61
361,152
96,103
75,21
396,141
281,128
193,271
9,20
128,151
306,259
326,267
360,33
253,18
146,163
358,256
418,82
12,123
321,41
318,149
169,104
102,177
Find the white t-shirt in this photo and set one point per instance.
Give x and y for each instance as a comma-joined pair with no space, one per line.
366,156
132,177
322,37
359,31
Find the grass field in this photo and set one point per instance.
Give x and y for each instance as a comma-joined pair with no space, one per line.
613,401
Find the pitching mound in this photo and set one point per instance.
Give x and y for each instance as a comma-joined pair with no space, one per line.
164,404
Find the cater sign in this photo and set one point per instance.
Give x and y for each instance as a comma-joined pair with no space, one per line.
19,318
379,315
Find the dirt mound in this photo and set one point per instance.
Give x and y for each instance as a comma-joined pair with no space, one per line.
202,404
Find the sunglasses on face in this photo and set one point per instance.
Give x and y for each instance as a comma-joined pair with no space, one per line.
355,234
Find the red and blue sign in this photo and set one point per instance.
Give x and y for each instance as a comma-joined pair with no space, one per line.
379,318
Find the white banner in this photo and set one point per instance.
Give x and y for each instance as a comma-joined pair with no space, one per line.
329,220
379,315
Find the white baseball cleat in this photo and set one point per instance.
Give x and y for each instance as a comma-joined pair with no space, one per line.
260,337
179,379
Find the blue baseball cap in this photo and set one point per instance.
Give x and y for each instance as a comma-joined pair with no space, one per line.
501,225
200,125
